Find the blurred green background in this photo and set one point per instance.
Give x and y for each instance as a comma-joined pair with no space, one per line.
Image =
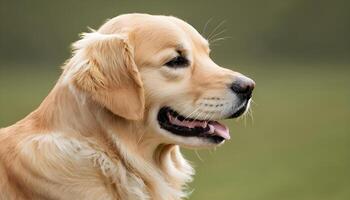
296,147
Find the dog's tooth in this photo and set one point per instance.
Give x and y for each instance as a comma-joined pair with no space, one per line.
206,129
205,123
167,117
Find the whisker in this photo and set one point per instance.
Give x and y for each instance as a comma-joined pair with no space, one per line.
211,117
188,109
216,28
193,112
219,39
251,114
245,120
199,114
199,157
253,102
205,26
216,35
210,151
207,115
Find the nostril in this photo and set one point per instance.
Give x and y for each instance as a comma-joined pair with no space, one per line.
237,88
244,88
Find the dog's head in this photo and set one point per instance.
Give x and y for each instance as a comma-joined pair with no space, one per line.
157,69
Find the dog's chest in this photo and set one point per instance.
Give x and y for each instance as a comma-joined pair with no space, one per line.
86,172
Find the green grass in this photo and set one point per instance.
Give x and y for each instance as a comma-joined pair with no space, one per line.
296,148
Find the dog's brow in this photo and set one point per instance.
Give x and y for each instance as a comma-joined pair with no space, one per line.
180,49
206,45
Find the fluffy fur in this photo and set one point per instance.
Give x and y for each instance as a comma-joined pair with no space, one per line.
96,136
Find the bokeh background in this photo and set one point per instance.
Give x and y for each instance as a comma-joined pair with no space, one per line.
296,145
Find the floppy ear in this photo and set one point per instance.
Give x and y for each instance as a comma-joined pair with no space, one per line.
109,74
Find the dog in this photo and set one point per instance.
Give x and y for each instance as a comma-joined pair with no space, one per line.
132,93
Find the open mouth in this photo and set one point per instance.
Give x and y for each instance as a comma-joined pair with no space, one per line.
177,124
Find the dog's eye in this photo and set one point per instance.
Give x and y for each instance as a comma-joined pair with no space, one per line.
178,61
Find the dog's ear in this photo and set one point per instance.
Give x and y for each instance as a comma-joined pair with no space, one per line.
109,74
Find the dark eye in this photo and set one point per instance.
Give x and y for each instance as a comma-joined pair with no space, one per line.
178,61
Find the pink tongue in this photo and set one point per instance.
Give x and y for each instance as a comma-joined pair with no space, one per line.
219,129
215,127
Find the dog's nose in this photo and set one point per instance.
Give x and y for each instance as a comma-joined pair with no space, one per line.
243,87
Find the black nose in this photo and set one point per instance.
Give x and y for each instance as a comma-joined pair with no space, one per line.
243,87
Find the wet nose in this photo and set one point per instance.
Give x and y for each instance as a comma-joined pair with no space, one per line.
243,87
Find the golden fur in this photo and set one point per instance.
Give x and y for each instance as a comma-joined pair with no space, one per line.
95,135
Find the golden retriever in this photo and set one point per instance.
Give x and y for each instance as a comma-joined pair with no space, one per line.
132,93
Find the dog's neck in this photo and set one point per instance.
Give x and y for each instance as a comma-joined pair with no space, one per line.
71,112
